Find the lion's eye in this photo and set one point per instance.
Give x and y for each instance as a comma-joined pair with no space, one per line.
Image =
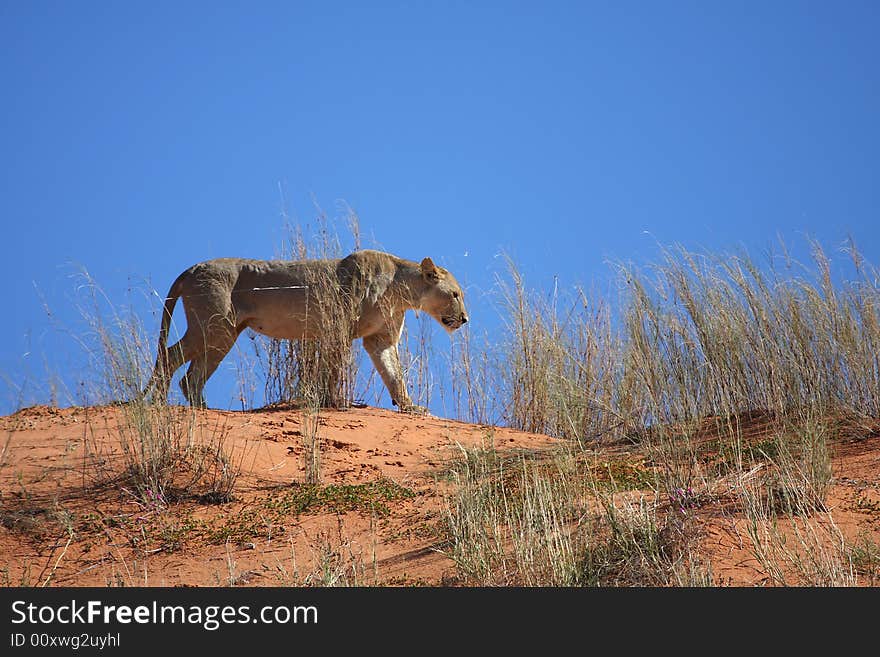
455,295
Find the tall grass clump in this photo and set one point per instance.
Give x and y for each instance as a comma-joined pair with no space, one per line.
473,393
557,362
323,371
720,336
731,375
695,336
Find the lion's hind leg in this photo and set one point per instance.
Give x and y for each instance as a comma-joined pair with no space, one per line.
205,364
167,363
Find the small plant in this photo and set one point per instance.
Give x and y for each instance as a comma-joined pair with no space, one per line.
683,500
312,446
271,514
621,475
334,561
865,556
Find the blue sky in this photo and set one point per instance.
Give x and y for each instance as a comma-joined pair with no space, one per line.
140,138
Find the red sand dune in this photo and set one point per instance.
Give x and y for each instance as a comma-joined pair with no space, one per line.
65,521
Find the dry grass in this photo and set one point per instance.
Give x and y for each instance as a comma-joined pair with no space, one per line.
330,371
699,336
697,350
334,559
550,522
314,372
701,345
166,453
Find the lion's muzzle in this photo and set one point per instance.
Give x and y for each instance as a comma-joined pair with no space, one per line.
454,323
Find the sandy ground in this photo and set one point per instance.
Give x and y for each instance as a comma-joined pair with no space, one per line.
53,490
68,519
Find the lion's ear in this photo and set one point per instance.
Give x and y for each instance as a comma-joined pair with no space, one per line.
430,272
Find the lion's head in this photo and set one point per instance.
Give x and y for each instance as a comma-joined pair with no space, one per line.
444,299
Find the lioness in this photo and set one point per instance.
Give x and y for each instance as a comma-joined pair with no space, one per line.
298,299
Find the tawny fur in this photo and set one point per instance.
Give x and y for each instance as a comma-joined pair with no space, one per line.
368,293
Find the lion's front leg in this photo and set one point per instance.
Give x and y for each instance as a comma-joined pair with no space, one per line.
383,352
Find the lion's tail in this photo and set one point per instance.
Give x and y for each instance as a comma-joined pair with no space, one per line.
170,301
159,373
